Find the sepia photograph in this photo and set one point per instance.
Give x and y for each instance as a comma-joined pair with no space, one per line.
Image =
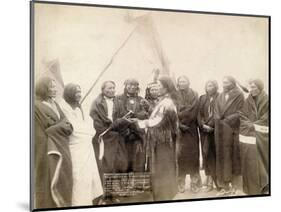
143,105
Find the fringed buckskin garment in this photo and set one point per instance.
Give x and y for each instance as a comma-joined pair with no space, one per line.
254,144
162,132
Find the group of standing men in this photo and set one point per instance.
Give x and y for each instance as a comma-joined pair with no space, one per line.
160,134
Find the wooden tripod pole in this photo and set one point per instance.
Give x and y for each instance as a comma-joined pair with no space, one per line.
108,65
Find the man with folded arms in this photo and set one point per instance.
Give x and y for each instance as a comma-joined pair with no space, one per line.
254,140
227,123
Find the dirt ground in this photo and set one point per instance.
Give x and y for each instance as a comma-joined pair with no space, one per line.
188,195
201,194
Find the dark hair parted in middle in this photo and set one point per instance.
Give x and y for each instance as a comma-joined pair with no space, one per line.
69,93
168,83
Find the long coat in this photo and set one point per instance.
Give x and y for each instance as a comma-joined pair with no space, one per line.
133,137
53,167
254,155
188,145
206,116
115,157
227,124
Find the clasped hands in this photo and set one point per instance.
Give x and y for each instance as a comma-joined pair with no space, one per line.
131,120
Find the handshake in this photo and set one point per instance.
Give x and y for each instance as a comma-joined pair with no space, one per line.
125,121
128,117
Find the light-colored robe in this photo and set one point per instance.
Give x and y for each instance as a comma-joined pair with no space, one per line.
86,180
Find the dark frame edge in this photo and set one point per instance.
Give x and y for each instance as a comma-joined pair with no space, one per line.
150,9
31,102
269,101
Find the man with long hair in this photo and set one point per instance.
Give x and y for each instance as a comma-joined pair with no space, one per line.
86,179
254,140
152,96
53,166
227,123
188,145
113,159
134,140
206,127
162,133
